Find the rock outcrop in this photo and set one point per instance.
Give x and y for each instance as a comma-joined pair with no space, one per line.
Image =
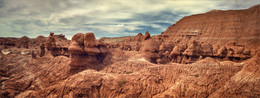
55,45
147,35
50,42
215,34
86,51
193,51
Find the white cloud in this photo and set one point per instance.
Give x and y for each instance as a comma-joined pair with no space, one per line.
103,17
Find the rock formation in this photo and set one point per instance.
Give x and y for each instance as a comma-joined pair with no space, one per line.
150,49
147,35
54,45
196,50
219,27
139,37
182,62
86,51
50,42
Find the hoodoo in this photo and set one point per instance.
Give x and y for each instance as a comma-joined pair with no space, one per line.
86,51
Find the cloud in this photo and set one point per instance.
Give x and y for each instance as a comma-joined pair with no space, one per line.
105,18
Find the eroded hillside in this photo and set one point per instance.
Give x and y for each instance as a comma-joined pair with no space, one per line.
200,56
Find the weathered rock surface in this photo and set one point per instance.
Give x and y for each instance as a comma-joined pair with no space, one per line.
219,27
139,78
162,66
54,45
86,51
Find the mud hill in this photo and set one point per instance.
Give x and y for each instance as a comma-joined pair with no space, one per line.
218,27
214,54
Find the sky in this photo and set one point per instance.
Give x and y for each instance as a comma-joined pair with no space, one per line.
105,18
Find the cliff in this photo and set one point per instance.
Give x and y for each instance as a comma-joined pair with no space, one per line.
218,27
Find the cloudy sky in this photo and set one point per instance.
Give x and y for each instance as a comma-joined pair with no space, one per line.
105,18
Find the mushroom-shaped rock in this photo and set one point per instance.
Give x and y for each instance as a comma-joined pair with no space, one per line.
147,35
86,51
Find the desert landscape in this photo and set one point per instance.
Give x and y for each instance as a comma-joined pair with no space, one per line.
209,55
